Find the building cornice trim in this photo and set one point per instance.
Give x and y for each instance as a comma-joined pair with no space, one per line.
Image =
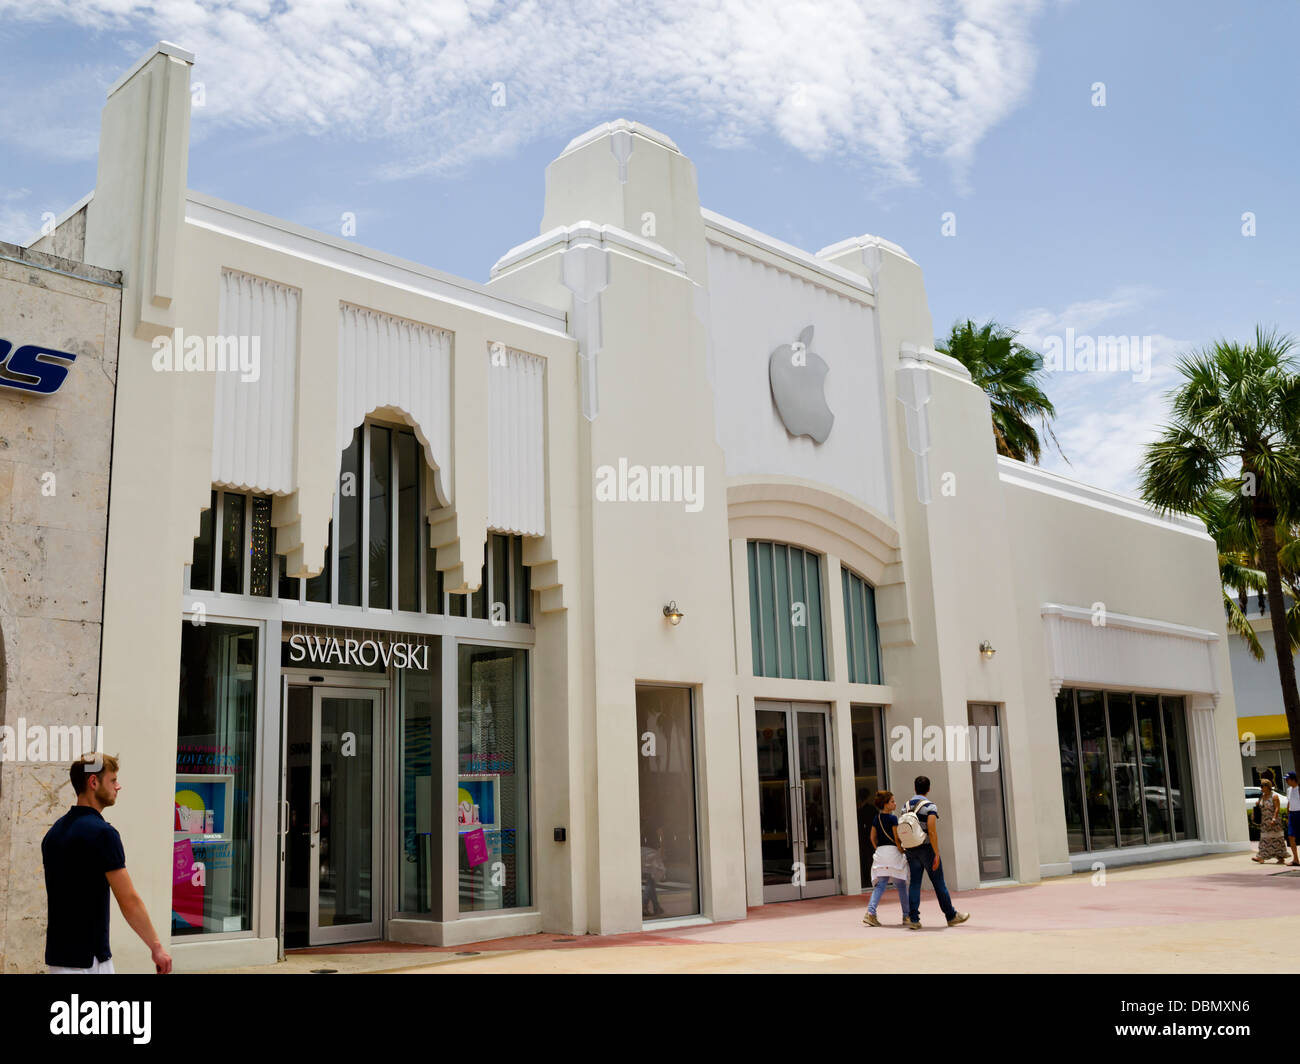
1137,624
1018,473
619,125
865,242
727,232
932,359
161,48
588,232
245,224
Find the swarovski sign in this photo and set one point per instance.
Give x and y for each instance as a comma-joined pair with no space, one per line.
325,650
798,378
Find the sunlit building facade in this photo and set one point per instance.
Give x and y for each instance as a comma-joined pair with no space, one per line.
605,594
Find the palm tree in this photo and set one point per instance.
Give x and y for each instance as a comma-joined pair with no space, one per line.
1237,414
1237,573
1288,563
1008,372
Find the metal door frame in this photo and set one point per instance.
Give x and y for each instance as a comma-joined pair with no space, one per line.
780,891
374,686
1009,872
317,935
282,814
820,888
796,803
700,907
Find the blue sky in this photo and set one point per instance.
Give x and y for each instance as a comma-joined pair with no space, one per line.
812,122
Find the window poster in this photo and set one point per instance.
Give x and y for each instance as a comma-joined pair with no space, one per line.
476,850
476,801
201,805
187,887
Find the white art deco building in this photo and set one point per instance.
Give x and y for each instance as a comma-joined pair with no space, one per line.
387,643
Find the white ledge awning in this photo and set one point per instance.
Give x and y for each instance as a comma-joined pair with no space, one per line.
1096,648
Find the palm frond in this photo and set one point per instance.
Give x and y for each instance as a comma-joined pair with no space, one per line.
1238,622
1009,374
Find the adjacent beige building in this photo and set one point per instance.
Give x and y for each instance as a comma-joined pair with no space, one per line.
54,479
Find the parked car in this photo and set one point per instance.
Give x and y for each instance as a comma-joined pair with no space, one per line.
1158,802
1157,796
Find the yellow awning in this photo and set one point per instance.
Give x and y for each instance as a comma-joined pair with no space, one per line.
1264,728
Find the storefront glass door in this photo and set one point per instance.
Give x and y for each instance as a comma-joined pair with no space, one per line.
670,874
990,804
868,777
795,800
332,843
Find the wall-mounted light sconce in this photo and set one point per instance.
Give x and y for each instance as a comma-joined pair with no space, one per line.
987,651
673,614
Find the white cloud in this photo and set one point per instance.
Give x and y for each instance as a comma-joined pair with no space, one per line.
878,79
59,117
18,221
1083,317
1104,419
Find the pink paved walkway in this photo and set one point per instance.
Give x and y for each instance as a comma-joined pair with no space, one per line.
1053,907
1126,900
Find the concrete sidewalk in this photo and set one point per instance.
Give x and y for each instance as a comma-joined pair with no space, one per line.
1211,914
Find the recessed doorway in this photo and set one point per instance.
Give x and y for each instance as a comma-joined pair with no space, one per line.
990,801
332,805
795,799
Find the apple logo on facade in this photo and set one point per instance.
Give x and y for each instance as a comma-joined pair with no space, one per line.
798,378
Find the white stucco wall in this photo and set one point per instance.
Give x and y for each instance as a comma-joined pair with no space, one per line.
758,302
1080,547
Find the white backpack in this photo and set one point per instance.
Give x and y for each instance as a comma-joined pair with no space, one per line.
911,831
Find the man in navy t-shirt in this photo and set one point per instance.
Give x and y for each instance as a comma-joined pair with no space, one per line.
83,859
924,859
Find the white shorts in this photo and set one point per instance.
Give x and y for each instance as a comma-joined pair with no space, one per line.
98,968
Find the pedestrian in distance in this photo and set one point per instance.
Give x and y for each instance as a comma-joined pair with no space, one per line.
918,830
888,863
84,860
1272,844
1292,815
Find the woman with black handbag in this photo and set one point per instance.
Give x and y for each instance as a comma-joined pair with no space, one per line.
1272,836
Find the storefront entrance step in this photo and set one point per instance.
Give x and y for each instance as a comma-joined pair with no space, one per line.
1164,851
680,921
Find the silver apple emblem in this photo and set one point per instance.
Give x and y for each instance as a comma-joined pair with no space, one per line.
798,379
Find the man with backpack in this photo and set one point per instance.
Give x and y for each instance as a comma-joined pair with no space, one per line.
918,830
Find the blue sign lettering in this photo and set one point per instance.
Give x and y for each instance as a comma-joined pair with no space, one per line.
29,369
